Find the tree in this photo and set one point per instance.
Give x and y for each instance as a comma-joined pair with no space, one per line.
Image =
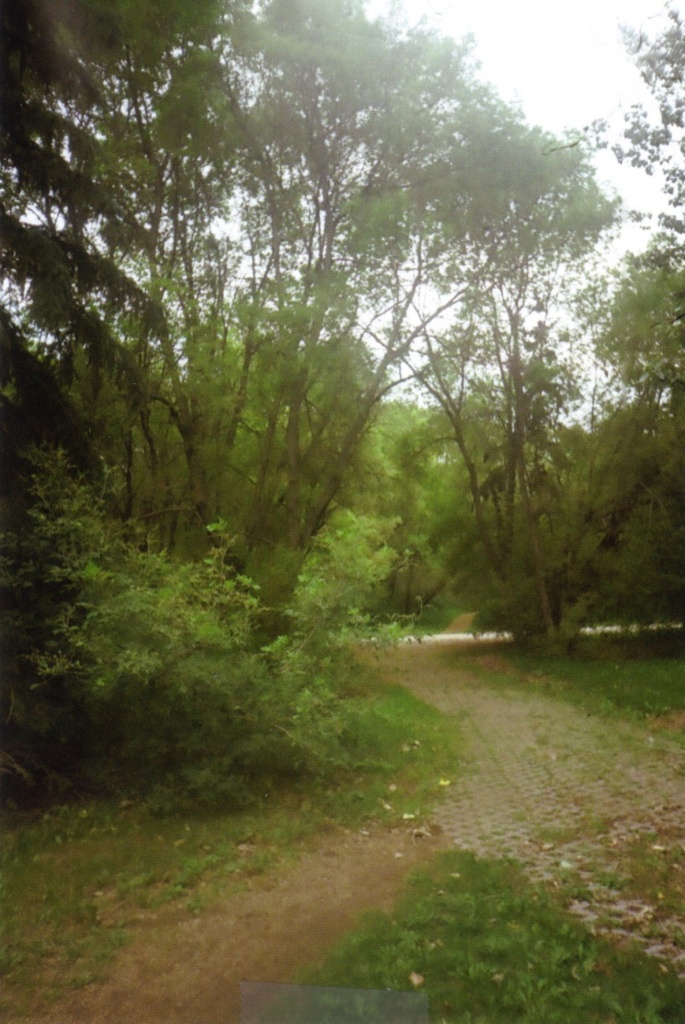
503,371
115,164
346,146
168,137
660,146
364,207
78,320
643,341
406,478
640,502
61,226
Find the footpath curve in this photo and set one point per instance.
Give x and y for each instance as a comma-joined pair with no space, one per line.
563,792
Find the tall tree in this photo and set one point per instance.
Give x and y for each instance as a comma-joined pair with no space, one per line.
116,160
365,205
640,506
502,371
60,225
168,136
660,146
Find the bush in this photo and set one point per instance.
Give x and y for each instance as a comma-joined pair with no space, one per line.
50,536
129,672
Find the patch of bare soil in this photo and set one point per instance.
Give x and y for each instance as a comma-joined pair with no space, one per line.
187,969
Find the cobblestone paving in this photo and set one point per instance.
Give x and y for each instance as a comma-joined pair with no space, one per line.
563,792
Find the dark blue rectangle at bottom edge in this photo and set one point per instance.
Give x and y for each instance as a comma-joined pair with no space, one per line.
267,1003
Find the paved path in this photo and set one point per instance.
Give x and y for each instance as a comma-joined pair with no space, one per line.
562,791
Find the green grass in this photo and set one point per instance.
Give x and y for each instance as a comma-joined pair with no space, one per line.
625,675
643,686
77,878
654,866
493,949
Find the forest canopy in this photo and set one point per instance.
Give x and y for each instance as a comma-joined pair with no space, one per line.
303,326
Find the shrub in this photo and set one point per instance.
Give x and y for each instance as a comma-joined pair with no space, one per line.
130,672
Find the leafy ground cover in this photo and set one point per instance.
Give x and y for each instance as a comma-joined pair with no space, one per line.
77,877
489,947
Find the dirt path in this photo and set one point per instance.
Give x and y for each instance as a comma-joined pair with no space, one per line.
530,767
184,969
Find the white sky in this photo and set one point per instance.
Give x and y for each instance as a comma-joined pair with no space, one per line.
564,62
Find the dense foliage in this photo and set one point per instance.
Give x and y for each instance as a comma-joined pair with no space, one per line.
230,234
125,670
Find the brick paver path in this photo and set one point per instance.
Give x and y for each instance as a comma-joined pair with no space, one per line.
561,791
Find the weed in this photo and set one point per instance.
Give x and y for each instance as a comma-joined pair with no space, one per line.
611,880
656,870
131,884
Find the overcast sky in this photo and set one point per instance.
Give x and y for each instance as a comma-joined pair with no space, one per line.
564,63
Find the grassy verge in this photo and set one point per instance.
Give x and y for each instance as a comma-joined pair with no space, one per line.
79,878
628,675
489,948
